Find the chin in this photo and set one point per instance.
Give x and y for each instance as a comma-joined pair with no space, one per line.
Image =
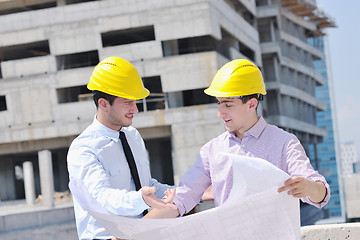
228,129
127,124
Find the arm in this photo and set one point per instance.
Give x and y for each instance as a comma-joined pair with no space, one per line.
208,194
193,184
84,164
148,195
162,213
301,187
165,212
305,183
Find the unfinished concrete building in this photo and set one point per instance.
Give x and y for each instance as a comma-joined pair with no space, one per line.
49,48
284,26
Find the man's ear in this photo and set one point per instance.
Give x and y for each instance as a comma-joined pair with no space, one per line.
253,103
103,103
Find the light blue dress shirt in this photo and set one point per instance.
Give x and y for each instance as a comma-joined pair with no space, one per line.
96,156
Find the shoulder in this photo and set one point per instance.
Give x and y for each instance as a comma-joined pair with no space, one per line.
89,138
281,137
278,136
216,141
277,131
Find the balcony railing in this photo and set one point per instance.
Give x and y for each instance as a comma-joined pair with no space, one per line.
152,102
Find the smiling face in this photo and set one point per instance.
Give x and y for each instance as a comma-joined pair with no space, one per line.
238,116
119,114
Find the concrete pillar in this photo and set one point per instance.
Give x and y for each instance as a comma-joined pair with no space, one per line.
46,177
29,183
276,68
272,31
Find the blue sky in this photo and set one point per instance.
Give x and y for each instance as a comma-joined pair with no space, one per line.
344,56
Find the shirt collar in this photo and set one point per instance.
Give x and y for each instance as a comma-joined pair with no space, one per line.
254,131
104,130
257,129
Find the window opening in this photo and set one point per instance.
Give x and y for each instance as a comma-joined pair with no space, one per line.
127,36
77,60
73,94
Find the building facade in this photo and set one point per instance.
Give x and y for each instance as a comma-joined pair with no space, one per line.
351,178
48,54
349,158
325,156
284,28
291,77
48,50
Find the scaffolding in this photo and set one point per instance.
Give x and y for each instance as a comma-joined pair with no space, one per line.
310,11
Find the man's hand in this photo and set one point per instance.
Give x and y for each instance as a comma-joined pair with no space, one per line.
170,194
165,212
154,202
301,187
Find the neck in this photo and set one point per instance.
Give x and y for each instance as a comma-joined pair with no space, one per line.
101,117
251,122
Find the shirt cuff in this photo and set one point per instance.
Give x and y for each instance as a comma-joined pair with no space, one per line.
325,200
139,202
179,206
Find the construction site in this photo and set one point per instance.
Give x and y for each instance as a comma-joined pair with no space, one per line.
49,48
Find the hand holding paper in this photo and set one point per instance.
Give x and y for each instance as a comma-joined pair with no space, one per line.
254,210
301,187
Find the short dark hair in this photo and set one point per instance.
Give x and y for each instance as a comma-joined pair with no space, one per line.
97,95
258,97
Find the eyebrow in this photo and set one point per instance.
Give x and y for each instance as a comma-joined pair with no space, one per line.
225,101
127,100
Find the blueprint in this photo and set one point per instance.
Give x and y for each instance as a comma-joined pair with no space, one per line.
254,210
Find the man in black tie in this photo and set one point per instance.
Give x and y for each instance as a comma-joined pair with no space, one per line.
110,155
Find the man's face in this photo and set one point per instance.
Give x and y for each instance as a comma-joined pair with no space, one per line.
121,113
235,114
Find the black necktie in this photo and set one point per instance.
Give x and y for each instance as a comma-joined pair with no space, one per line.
131,161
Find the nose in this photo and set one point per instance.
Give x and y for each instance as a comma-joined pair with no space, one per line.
221,113
135,108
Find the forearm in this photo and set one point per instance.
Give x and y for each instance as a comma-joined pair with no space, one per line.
162,213
319,192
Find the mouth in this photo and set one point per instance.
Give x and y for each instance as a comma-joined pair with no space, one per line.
226,121
129,116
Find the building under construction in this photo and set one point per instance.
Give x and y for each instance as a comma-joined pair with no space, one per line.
48,49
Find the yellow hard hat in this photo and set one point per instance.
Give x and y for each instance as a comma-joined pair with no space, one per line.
239,77
117,77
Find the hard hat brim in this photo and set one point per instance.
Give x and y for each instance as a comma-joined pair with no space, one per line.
214,93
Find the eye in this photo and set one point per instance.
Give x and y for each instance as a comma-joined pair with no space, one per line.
228,105
217,102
